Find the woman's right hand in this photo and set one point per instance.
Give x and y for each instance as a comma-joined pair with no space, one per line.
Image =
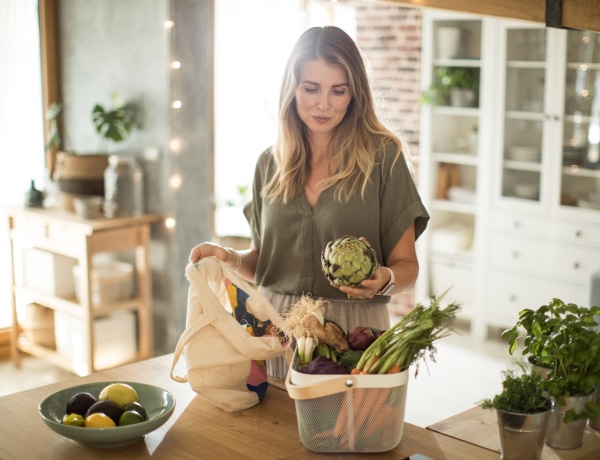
208,249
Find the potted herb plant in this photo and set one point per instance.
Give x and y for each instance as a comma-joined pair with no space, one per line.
523,412
563,338
456,86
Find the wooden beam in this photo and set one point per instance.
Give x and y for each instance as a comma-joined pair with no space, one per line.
527,10
581,14
576,14
48,16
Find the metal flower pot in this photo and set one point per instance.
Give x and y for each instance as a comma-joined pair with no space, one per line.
522,435
563,435
594,423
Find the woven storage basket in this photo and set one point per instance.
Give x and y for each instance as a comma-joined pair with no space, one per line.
81,167
349,413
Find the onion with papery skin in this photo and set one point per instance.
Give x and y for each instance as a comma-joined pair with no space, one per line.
360,337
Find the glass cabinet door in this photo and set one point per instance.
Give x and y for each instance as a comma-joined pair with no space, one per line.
525,81
580,173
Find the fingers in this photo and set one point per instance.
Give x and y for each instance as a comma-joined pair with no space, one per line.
206,249
359,292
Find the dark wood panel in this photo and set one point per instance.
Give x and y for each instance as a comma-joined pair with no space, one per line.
576,14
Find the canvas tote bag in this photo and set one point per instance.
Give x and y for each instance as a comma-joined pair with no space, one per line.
229,333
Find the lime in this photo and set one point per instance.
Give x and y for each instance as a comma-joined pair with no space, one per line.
130,417
99,420
73,419
136,406
121,393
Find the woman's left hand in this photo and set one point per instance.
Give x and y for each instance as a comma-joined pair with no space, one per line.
368,288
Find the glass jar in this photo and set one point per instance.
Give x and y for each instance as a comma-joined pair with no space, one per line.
123,188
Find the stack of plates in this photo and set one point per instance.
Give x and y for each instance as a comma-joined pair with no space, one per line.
524,153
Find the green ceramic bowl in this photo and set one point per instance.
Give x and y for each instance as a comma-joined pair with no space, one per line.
159,405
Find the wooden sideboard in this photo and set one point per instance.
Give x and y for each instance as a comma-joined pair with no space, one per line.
58,231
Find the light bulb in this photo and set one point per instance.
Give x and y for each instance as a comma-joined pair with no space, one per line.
169,24
170,222
176,104
175,65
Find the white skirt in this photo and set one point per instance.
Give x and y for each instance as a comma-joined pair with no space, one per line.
347,313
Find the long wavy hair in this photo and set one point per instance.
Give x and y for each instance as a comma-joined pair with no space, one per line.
355,141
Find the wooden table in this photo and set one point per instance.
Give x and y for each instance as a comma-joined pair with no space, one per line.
198,429
480,427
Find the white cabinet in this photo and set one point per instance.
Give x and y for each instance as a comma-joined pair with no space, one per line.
454,160
535,211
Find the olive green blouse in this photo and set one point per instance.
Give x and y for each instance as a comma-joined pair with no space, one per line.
290,237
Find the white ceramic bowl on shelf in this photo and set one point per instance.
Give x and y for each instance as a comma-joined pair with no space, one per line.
524,153
528,191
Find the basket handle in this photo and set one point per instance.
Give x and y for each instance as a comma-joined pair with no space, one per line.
318,390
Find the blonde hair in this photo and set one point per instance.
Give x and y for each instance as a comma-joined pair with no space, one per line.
356,140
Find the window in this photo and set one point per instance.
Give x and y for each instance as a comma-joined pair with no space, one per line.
21,118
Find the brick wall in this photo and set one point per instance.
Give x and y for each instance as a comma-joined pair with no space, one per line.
390,38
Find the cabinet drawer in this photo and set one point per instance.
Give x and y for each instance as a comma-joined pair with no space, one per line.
548,228
47,231
507,294
531,256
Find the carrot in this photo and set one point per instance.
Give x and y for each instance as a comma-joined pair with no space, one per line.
376,408
409,340
394,369
355,371
370,364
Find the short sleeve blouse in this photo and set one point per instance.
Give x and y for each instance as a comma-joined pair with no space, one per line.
290,237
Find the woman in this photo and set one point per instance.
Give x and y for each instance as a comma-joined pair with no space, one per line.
334,170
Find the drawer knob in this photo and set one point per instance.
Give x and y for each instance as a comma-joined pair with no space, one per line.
578,234
512,298
516,224
515,254
576,265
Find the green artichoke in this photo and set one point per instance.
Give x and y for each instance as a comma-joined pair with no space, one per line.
347,261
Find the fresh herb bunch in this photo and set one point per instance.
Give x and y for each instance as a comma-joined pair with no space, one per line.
409,340
521,393
563,338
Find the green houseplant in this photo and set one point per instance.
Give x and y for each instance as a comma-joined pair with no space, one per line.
523,412
114,124
563,338
83,174
457,86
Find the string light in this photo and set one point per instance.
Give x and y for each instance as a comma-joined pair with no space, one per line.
175,145
175,181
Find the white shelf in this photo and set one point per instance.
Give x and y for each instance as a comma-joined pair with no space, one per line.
466,159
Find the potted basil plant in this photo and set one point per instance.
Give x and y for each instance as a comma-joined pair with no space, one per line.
523,413
563,338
